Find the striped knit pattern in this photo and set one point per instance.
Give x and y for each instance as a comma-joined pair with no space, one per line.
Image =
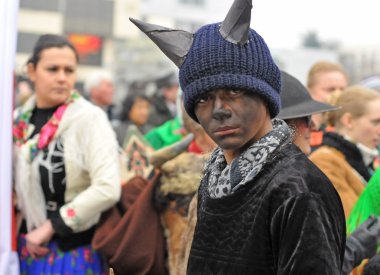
214,63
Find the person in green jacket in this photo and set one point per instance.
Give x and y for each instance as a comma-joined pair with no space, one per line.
166,134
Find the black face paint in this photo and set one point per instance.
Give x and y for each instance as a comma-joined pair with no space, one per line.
233,119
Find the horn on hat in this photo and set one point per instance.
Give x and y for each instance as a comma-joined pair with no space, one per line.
175,44
235,27
159,157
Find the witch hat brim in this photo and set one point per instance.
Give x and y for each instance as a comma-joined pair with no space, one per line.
305,109
296,100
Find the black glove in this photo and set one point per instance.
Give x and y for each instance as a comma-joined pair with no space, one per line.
361,244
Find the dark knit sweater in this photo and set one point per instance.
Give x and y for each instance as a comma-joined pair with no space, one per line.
289,220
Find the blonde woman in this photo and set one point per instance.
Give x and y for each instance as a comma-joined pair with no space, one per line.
346,155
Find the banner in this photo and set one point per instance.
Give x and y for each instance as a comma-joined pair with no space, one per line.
8,33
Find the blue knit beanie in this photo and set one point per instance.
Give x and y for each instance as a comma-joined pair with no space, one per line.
214,63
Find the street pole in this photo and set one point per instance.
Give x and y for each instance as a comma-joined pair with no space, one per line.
8,33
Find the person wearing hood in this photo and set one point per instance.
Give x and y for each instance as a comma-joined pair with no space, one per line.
258,212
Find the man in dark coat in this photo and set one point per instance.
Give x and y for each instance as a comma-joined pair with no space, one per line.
263,207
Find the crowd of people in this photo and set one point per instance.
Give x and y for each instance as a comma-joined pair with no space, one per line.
231,167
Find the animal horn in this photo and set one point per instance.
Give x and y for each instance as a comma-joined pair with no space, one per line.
235,27
165,154
175,44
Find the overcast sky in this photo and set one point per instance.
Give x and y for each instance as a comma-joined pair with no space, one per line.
283,22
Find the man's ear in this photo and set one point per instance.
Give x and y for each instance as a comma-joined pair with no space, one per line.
31,71
347,120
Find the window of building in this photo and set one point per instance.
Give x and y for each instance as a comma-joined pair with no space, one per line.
26,42
89,16
43,5
193,2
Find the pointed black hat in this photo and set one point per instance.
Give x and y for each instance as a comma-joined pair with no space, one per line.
296,100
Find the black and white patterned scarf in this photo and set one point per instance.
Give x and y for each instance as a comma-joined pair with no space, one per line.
226,179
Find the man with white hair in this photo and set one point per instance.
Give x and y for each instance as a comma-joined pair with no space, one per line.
99,89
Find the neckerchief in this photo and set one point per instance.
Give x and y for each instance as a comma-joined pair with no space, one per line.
225,179
46,135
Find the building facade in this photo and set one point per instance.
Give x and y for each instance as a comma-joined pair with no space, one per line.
104,36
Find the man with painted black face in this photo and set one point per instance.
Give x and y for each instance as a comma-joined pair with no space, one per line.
263,207
228,115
